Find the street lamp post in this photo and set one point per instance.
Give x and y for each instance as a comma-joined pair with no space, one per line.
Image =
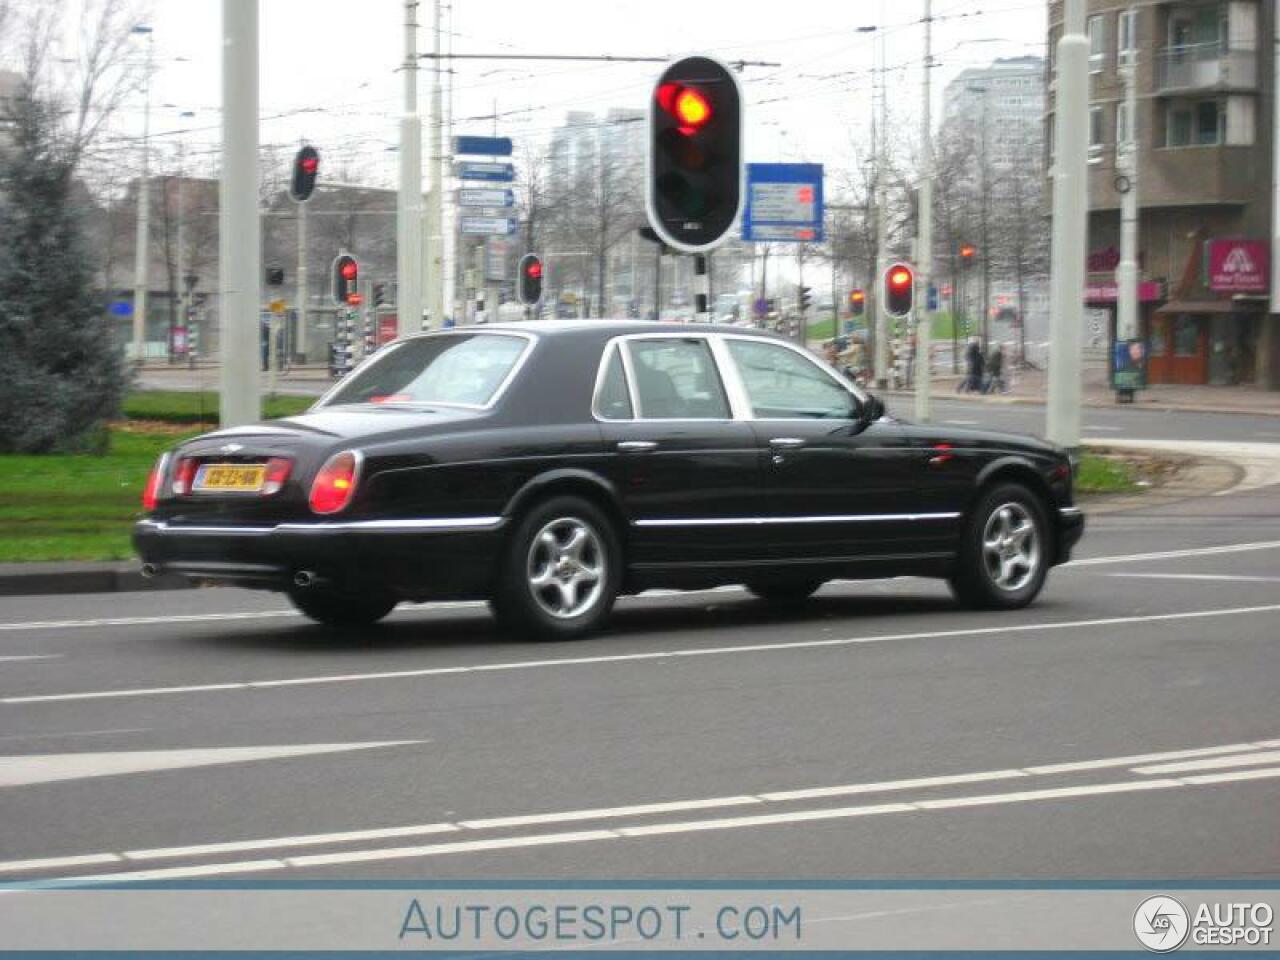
143,235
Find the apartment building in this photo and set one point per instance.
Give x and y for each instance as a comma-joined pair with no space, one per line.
1204,75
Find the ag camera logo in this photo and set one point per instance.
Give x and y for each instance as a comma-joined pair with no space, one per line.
1161,924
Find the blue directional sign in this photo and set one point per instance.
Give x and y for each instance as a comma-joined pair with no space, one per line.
486,197
122,308
483,146
488,226
783,203
488,172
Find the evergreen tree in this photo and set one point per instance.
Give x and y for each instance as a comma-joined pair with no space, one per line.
63,372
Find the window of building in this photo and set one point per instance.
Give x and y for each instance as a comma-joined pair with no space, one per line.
1122,124
1095,134
1097,43
1241,121
1200,123
1127,38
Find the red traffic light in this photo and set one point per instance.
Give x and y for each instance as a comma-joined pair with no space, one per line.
688,105
967,251
355,299
349,270
857,296
533,269
309,164
899,278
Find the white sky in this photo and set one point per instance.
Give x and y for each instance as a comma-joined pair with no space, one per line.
343,56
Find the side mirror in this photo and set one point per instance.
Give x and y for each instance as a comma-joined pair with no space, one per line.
871,411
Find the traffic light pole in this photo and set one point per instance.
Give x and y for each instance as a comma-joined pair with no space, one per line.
883,376
1127,269
435,210
924,255
1070,192
702,288
240,231
301,348
409,197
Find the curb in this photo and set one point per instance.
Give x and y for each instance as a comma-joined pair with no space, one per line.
44,579
1155,406
1193,477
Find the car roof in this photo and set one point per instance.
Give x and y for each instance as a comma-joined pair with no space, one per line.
555,328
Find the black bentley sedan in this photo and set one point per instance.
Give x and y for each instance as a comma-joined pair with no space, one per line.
550,466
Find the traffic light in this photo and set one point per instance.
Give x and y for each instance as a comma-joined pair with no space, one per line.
346,278
529,289
694,190
379,294
858,302
306,165
803,298
967,252
899,290
275,276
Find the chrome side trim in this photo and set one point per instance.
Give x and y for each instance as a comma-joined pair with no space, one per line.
1070,511
358,526
761,521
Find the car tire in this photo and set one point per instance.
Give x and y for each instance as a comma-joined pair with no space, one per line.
341,610
561,573
785,591
1004,550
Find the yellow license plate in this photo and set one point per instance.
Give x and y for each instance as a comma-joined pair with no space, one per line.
242,478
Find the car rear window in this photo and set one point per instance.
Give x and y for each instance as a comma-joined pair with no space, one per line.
465,369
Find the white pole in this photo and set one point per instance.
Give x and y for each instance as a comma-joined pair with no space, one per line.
435,213
409,197
1127,269
1275,177
304,287
449,220
181,312
240,237
924,255
882,317
1070,225
141,254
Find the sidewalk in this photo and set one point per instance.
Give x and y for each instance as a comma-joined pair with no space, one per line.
1031,386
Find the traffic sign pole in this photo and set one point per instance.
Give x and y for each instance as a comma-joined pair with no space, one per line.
924,255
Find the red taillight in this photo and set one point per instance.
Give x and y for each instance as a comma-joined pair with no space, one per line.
335,484
277,473
151,492
184,476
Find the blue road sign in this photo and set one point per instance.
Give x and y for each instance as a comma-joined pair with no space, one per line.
122,308
486,197
488,172
783,203
488,226
483,146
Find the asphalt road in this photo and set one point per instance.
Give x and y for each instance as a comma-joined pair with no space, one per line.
1126,726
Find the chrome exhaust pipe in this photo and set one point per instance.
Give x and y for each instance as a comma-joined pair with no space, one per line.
304,578
150,570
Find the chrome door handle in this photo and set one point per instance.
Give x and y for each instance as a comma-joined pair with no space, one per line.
637,446
786,443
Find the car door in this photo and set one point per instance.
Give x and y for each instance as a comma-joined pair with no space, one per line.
680,461
835,485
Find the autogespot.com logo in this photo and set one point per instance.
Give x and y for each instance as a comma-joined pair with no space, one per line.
1161,923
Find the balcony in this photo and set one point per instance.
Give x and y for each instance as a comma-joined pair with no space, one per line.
1205,66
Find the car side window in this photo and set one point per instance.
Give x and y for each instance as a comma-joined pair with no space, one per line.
613,401
781,384
676,379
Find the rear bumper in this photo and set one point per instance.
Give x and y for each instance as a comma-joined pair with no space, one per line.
431,557
1070,530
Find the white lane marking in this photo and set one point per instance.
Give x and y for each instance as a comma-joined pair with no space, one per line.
962,423
1083,765
147,621
308,840
1217,763
36,656
652,655
815,793
1226,578
1234,776
1177,554
54,863
435,849
635,810
660,829
542,819
73,733
20,771
1098,426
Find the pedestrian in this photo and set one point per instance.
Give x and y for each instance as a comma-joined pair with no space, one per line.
995,371
972,382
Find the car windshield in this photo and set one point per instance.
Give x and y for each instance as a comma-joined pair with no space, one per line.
457,369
